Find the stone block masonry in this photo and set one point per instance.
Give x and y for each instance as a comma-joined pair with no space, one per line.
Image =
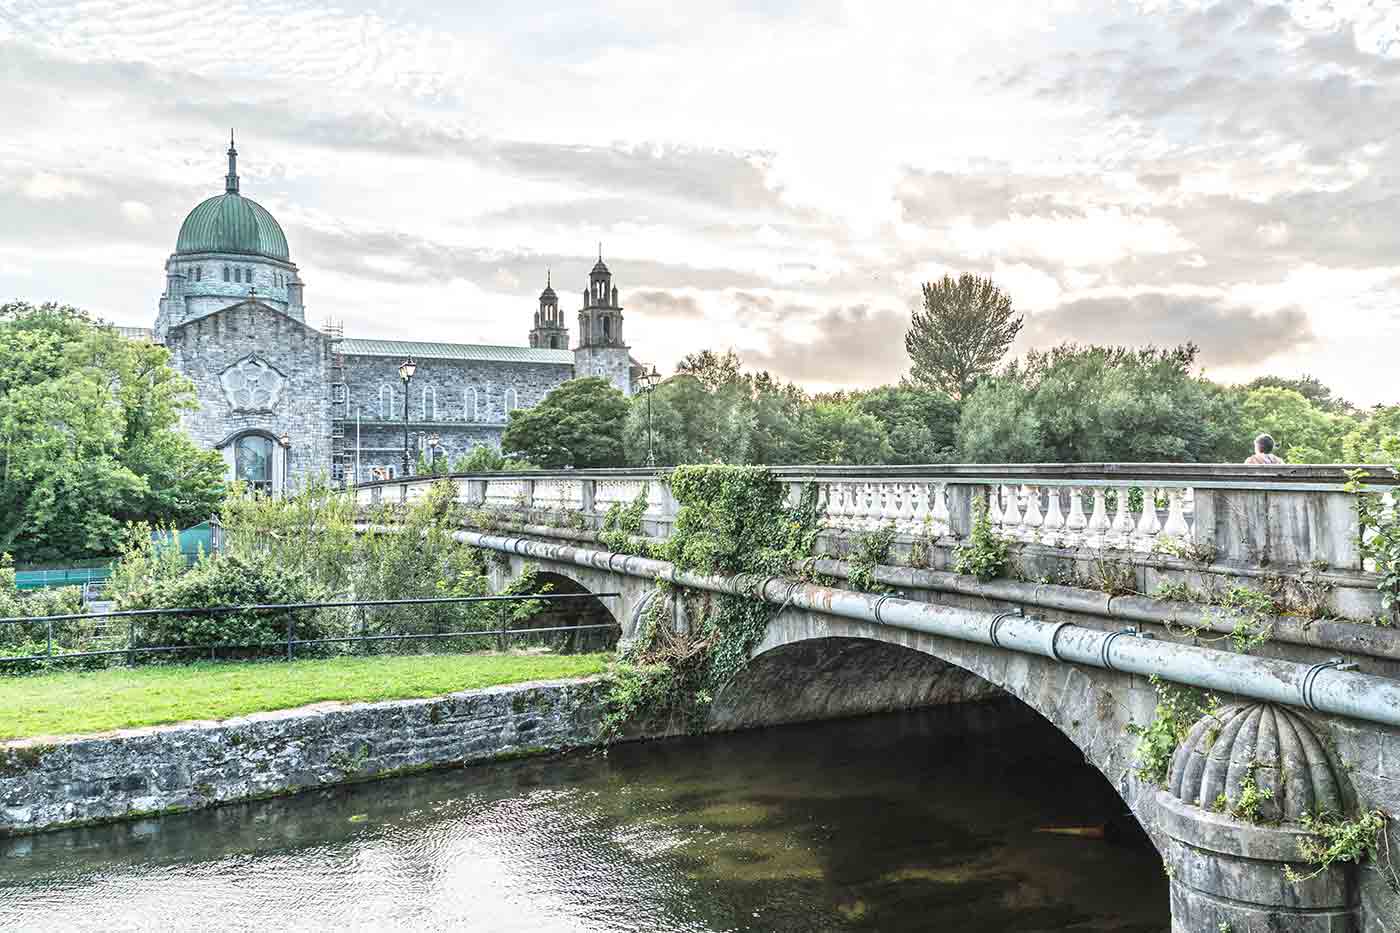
54,783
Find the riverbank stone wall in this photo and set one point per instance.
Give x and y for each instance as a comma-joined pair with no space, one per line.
50,784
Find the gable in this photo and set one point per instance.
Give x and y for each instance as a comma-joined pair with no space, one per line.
251,310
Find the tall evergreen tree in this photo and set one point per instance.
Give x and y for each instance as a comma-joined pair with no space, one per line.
963,330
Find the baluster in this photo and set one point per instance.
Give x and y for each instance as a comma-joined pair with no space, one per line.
1176,527
910,507
1122,529
995,515
1034,518
1011,514
1052,531
1098,520
1148,525
1076,523
867,507
893,495
835,505
942,520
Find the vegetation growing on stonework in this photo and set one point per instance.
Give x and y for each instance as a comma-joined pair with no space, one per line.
870,549
622,525
731,521
1379,535
1178,709
1355,840
985,553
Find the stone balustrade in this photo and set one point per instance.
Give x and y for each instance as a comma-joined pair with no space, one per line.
1278,517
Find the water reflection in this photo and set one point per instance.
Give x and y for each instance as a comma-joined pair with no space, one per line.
921,821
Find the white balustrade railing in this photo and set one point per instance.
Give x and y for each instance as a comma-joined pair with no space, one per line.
1254,516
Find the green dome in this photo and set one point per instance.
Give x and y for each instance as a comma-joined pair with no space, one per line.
231,223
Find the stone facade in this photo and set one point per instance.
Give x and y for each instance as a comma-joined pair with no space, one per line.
463,402
166,769
233,313
290,407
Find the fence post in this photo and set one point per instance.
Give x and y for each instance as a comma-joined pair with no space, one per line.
130,639
50,628
364,630
291,620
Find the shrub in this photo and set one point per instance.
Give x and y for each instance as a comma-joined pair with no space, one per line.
229,579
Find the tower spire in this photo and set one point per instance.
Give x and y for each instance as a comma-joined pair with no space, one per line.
231,180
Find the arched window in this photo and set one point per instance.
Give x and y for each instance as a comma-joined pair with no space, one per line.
553,342
248,276
607,328
428,410
512,402
386,402
471,405
225,273
252,462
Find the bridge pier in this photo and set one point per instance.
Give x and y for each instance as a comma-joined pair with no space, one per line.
1230,815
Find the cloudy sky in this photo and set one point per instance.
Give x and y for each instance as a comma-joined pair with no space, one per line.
773,176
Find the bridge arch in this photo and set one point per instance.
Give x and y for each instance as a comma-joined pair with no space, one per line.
828,666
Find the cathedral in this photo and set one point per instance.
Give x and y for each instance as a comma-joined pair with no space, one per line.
284,402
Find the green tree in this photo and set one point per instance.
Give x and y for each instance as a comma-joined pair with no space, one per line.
1310,388
90,438
834,432
1090,404
1304,433
962,332
484,458
579,424
921,424
1376,439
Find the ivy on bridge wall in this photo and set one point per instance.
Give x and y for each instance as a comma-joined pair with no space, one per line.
731,520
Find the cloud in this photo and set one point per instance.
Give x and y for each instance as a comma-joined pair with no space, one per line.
664,305
46,186
138,212
1227,335
848,346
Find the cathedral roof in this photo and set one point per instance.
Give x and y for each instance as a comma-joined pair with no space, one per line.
231,223
456,351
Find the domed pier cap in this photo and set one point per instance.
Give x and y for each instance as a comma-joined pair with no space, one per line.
1271,742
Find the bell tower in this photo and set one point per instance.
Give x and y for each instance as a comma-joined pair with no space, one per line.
601,350
549,332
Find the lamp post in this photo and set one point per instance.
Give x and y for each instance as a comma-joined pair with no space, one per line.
286,441
649,382
406,370
434,440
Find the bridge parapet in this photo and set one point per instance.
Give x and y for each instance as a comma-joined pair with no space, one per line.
1234,518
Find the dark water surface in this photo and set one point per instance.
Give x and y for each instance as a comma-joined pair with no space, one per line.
921,821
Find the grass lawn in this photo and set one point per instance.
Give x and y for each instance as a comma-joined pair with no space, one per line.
94,701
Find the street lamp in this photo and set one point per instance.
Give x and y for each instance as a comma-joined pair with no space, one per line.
286,441
649,382
434,440
406,370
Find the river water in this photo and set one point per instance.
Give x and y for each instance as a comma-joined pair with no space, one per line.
919,821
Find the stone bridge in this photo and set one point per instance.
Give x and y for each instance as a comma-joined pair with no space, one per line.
1311,718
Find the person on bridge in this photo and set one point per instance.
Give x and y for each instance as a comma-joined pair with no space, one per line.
1263,451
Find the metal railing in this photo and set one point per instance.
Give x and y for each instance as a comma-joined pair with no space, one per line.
332,626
